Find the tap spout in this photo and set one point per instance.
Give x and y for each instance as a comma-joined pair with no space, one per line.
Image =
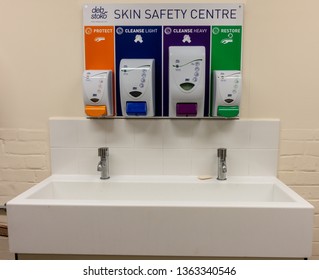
222,167
103,165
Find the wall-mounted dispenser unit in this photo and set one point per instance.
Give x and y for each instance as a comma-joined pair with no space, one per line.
137,87
97,91
227,93
186,81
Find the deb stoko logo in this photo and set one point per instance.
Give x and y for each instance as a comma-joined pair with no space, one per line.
99,13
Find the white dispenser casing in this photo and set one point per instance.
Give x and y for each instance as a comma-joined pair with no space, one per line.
137,87
97,89
186,80
227,89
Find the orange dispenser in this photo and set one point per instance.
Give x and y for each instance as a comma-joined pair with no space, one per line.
97,86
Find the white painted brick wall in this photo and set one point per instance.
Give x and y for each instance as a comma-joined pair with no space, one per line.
24,160
299,168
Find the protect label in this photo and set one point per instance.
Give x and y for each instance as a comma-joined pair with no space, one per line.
99,47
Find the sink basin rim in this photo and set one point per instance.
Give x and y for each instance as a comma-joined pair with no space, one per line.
297,201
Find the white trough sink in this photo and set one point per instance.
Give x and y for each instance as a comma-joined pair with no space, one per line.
161,215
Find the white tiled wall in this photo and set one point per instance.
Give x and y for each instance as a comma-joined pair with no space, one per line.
164,146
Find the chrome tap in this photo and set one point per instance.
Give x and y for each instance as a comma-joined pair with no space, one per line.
222,168
103,165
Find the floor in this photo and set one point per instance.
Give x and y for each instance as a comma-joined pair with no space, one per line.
4,249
